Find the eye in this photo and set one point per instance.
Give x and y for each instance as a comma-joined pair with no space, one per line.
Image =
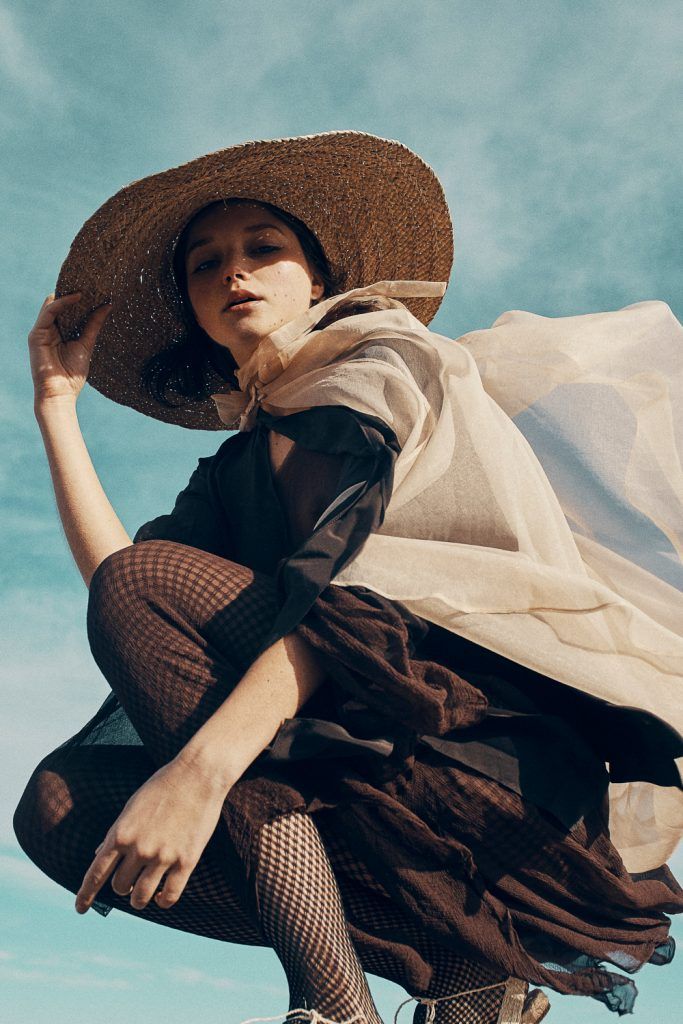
204,263
266,249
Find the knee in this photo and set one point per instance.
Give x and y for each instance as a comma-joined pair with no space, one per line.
126,570
44,804
152,566
124,576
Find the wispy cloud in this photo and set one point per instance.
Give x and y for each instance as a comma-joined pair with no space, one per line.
18,872
59,970
186,975
58,978
116,963
50,683
23,65
85,969
195,976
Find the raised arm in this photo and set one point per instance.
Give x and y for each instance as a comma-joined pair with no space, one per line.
59,370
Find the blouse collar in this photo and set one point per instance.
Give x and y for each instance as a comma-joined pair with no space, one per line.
274,353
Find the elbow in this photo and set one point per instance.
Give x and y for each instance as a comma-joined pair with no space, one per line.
89,573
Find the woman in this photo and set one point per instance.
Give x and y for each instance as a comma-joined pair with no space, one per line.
321,768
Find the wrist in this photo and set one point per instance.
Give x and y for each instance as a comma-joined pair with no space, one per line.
209,765
45,406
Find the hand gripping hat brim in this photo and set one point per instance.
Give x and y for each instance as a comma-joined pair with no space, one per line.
377,209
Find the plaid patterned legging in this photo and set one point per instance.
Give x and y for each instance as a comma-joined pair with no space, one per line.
173,629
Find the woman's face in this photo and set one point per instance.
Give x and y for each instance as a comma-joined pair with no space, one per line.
241,249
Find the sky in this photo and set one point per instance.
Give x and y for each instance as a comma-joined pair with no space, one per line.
556,129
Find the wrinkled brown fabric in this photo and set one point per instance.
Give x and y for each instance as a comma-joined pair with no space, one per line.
352,629
473,867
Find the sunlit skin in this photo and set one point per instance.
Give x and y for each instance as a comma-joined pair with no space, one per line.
236,253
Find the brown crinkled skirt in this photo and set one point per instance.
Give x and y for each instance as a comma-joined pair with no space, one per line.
425,851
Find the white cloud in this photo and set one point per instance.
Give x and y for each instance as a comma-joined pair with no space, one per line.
59,979
78,960
50,683
21,873
116,963
194,976
85,969
24,65
186,975
72,970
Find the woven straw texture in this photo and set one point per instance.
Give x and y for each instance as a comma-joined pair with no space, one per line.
377,209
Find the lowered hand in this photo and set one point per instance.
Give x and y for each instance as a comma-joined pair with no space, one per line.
159,836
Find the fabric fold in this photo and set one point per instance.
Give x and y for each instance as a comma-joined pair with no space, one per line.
552,539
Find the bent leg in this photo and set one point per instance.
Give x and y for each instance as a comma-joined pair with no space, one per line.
302,915
369,909
69,804
74,796
173,629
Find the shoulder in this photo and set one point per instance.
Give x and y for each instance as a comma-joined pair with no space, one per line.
231,447
335,428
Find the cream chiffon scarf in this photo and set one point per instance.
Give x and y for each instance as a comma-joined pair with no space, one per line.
537,506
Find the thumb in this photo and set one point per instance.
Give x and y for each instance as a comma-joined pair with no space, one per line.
95,323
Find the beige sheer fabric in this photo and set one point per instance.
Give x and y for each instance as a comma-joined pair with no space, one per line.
564,556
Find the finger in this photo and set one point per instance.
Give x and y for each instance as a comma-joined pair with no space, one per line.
94,323
88,334
174,886
95,877
127,874
51,307
146,886
63,300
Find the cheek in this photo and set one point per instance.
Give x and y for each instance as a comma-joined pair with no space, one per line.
292,286
198,300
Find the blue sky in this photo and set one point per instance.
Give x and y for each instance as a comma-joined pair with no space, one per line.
556,130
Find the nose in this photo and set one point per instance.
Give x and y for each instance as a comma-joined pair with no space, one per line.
233,270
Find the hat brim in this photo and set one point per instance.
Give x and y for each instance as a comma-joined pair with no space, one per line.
377,209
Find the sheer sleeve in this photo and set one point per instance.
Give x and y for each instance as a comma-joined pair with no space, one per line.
197,518
339,486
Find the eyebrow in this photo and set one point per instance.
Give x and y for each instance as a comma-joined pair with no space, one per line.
251,227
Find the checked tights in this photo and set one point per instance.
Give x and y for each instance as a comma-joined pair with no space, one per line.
173,629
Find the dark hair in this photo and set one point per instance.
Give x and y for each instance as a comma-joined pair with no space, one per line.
188,365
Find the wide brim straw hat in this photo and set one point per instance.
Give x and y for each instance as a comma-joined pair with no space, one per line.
377,209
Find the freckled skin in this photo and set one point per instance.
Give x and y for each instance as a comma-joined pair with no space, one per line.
269,263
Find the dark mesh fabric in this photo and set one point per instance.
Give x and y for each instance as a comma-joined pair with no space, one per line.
72,799
302,915
457,869
77,791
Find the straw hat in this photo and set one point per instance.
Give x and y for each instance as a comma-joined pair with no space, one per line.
377,209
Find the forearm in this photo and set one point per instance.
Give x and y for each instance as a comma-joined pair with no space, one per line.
92,528
274,688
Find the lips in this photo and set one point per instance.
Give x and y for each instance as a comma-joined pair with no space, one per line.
239,299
